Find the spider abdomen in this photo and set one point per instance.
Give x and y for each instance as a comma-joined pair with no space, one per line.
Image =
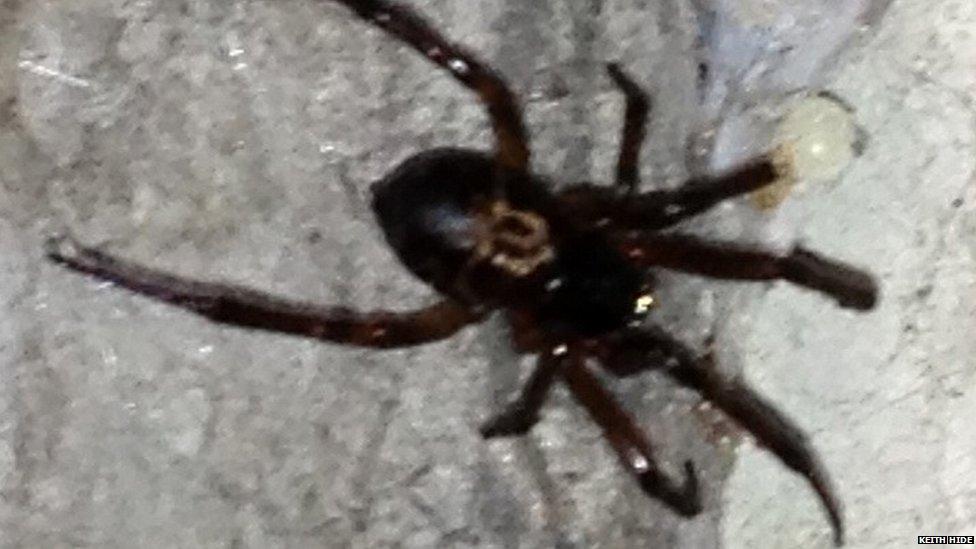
425,206
441,214
451,227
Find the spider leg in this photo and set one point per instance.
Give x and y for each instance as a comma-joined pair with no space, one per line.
506,119
521,414
632,446
768,425
656,210
703,193
849,286
635,121
247,308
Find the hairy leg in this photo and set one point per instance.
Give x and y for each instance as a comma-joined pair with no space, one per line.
655,210
506,119
849,286
521,414
653,348
247,308
635,122
632,446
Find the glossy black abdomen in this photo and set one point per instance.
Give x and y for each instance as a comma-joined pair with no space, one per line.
432,209
425,208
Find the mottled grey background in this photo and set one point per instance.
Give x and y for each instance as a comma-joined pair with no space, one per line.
235,140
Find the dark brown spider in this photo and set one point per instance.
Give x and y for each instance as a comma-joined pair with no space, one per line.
571,270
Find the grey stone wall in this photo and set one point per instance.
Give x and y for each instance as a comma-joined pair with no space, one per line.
236,140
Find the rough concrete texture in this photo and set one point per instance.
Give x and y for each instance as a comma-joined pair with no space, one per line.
236,140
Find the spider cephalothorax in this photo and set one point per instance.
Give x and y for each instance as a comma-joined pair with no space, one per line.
572,270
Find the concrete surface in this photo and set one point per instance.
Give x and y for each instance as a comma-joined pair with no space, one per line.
236,140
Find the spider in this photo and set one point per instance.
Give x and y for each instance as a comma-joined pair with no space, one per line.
571,270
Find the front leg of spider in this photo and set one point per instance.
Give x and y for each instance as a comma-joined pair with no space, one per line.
658,209
636,107
632,446
849,286
653,348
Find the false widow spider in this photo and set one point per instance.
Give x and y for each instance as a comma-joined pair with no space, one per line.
572,271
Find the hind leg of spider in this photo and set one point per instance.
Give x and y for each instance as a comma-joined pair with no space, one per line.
849,286
653,348
521,414
512,149
636,107
247,308
631,445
